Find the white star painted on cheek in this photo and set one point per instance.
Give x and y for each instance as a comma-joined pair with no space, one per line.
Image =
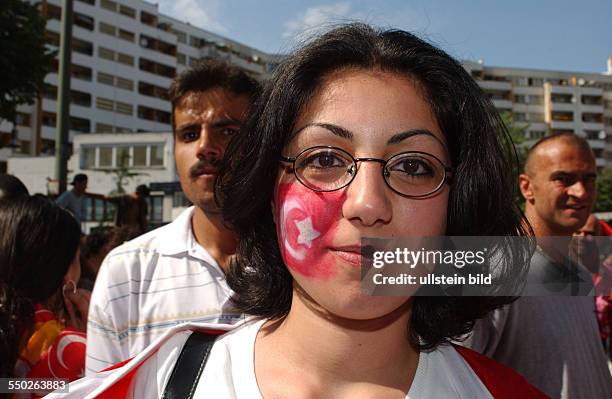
307,232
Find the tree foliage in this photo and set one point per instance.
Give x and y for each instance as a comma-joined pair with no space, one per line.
25,60
604,193
517,134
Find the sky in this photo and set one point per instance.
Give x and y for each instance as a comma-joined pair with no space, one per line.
560,35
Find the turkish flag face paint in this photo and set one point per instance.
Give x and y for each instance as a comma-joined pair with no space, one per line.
306,225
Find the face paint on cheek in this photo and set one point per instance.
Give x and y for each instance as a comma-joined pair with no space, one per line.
306,223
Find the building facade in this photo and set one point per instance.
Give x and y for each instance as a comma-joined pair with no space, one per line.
124,56
548,102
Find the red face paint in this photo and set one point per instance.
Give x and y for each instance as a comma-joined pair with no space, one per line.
306,222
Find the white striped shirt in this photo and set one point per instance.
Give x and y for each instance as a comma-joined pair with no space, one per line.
150,284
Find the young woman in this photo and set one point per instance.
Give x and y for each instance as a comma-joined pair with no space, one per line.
42,314
360,133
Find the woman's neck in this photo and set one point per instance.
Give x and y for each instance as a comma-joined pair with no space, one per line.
327,350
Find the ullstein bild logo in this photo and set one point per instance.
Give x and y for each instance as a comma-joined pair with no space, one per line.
486,266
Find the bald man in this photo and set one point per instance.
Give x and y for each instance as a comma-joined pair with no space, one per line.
553,340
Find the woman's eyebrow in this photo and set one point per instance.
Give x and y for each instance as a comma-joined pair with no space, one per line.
399,137
335,129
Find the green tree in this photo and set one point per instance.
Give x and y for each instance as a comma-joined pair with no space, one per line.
517,134
604,193
25,60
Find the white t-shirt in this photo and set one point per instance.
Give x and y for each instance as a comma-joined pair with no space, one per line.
229,372
147,286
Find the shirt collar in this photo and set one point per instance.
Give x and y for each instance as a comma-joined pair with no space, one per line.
178,238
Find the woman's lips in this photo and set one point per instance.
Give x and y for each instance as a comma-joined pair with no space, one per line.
350,254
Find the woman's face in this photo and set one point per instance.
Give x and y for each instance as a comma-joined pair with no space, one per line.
367,114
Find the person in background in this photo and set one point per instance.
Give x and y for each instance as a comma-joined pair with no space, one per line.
11,188
42,313
176,273
74,200
553,339
133,210
591,248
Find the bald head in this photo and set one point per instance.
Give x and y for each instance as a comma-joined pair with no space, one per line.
559,184
553,142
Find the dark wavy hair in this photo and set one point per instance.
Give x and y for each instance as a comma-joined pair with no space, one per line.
38,242
482,154
209,74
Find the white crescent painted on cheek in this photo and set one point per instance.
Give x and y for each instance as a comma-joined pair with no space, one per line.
288,206
64,342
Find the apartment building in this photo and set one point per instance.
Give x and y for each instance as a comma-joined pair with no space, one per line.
124,56
547,102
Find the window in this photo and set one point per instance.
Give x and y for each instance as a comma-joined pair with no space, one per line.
140,155
80,98
535,117
103,128
157,155
107,29
563,116
80,72
592,100
125,59
106,79
592,118
156,68
124,108
156,207
152,114
106,157
49,91
84,21
49,119
54,12
109,5
127,11
562,98
125,84
104,103
106,54
181,59
181,37
88,157
148,19
519,117
23,119
82,46
126,35
148,89
79,124
52,38
122,156
91,2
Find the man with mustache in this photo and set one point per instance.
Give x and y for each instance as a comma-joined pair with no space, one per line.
176,274
550,335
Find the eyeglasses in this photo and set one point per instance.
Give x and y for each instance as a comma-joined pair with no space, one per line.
412,174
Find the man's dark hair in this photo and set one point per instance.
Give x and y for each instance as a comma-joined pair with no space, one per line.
210,74
39,241
481,193
11,188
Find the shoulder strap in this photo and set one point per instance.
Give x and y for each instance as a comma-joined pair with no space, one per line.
189,366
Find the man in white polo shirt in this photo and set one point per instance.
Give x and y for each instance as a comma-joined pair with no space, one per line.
175,274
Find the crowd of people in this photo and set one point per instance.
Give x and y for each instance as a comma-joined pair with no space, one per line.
255,291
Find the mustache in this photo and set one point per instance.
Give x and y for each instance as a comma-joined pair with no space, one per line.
198,168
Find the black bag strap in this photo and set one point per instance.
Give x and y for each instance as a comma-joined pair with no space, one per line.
189,366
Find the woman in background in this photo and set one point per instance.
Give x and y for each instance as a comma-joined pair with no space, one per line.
41,309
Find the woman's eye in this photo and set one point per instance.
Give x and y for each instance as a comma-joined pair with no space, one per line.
413,167
323,161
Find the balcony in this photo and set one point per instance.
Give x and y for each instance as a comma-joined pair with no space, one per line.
494,85
502,104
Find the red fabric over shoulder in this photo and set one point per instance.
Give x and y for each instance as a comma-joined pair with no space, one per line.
120,388
501,381
606,230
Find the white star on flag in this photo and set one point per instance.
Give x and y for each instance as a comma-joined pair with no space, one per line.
307,232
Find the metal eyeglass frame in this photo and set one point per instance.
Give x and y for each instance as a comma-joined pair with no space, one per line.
445,179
